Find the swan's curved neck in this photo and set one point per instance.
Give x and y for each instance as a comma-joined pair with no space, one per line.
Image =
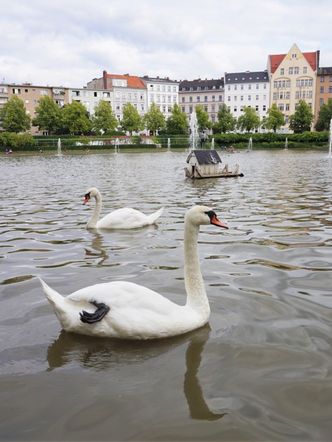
96,212
196,294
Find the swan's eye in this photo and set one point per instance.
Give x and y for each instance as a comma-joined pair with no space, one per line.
211,214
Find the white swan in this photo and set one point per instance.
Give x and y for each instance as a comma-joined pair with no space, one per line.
125,218
126,310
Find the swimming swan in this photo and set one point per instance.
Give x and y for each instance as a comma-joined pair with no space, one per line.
125,218
126,310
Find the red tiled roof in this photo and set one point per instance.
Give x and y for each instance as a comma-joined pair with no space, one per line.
132,81
275,60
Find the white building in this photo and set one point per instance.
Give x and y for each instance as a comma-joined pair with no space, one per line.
251,89
90,97
163,92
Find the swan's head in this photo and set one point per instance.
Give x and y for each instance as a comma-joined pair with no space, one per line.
90,193
204,215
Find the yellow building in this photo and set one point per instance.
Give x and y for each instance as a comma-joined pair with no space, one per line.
293,78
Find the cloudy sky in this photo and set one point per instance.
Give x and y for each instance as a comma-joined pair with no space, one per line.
69,42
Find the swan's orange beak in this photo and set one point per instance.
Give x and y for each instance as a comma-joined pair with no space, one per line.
217,222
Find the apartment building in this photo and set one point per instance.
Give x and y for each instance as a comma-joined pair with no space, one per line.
323,88
31,94
251,89
208,93
293,78
90,98
163,92
125,88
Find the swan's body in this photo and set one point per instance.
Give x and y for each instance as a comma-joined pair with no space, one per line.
125,218
130,311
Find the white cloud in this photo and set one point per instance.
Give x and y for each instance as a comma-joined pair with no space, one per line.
69,42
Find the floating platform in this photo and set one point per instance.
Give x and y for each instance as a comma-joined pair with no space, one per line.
207,164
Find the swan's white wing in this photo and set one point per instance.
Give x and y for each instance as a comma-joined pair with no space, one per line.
125,218
123,294
135,311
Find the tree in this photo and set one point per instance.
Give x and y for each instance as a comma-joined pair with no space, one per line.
301,120
154,119
324,116
275,118
48,115
75,118
104,119
14,117
131,119
177,123
226,121
202,118
249,120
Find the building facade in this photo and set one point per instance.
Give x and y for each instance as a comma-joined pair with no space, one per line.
31,94
208,93
293,78
249,89
90,98
125,89
163,92
323,88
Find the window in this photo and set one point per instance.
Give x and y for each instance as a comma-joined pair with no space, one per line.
249,86
205,98
296,70
257,108
183,99
213,98
282,71
257,86
322,79
330,89
287,107
249,97
198,98
235,109
190,99
220,97
290,71
257,97
321,90
305,69
241,98
264,107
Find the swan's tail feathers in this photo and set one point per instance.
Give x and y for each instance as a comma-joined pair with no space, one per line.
53,296
155,215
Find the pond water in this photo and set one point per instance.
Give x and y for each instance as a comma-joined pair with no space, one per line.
260,371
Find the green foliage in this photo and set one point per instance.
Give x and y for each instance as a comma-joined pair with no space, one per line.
154,119
275,118
272,139
249,120
75,119
324,116
177,123
14,117
226,121
48,115
131,120
202,118
104,120
301,120
14,141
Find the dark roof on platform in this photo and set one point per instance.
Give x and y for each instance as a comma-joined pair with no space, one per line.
205,156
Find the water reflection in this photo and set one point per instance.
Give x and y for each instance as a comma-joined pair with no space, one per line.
100,354
98,253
